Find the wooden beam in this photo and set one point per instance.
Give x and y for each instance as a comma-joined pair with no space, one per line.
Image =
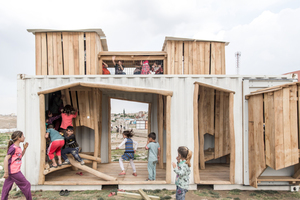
214,87
109,131
50,170
160,130
277,178
96,128
168,134
43,140
59,88
90,170
127,88
132,58
132,53
196,138
135,196
232,138
97,159
144,195
297,174
201,108
149,117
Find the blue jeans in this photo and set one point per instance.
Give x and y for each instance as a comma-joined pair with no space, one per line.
180,193
73,151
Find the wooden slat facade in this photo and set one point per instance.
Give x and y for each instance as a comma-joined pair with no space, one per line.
65,53
195,57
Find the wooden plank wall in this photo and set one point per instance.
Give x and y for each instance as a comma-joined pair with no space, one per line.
257,162
192,57
281,127
65,53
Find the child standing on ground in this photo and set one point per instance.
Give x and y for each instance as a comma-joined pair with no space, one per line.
12,165
57,142
182,171
153,155
129,151
71,146
67,116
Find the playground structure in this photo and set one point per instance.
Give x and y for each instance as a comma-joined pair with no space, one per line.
192,104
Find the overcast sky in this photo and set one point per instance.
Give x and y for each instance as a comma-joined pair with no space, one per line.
265,31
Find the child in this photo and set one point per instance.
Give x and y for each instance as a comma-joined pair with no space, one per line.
118,67
129,152
71,146
68,114
145,67
12,165
104,68
153,155
182,171
50,119
57,142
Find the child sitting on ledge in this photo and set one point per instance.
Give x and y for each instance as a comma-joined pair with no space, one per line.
71,146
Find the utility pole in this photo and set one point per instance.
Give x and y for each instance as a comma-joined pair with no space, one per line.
238,55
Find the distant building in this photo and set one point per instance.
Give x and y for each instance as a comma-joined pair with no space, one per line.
294,74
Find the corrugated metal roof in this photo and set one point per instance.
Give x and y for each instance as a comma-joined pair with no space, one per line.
168,38
98,31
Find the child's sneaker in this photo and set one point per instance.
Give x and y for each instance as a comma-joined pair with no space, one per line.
82,162
66,162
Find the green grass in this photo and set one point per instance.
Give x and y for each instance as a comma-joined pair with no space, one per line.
234,192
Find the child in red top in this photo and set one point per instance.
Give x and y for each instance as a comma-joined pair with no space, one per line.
12,165
104,68
67,115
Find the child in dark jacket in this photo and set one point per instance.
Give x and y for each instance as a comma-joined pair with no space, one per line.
71,146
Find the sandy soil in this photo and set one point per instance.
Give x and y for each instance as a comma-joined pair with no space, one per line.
8,122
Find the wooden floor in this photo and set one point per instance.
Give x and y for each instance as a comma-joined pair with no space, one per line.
215,174
69,177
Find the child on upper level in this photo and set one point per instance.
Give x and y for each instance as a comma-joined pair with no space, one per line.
153,155
129,151
182,171
67,116
12,167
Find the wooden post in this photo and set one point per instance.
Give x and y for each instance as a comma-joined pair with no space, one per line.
232,138
109,132
149,117
96,129
196,144
168,131
100,120
201,108
160,130
43,140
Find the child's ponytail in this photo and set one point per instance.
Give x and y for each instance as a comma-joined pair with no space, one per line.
14,137
186,154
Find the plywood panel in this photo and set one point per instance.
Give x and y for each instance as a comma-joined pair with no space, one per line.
176,57
169,50
256,139
195,67
186,58
81,53
38,53
66,41
71,54
208,111
92,54
223,69
232,138
172,57
213,58
76,52
50,53
286,127
279,145
269,129
226,134
218,58
293,124
191,57
74,104
59,56
207,58
44,54
202,57
179,57
217,123
88,53
82,107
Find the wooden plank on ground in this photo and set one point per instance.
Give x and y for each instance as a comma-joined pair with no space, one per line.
135,196
66,41
186,58
43,140
160,130
44,54
269,129
279,145
196,137
50,53
144,195
168,138
38,53
201,112
232,138
207,58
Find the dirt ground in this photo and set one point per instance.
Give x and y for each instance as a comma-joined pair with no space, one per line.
8,121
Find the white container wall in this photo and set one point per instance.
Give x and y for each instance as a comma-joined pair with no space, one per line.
181,111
